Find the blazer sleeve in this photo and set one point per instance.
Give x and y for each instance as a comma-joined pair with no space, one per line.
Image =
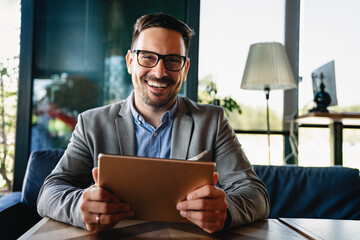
61,194
246,194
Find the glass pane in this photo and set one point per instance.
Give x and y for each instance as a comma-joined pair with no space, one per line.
351,148
227,29
10,17
314,147
79,60
256,148
330,30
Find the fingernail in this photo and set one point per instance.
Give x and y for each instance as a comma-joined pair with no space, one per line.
189,197
179,206
183,213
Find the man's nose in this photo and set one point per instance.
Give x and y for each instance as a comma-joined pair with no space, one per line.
159,70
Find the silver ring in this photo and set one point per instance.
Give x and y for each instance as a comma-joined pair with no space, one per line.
98,219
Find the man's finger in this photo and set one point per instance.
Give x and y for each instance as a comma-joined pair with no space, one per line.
96,228
203,216
106,207
207,191
201,204
100,194
107,219
215,178
95,174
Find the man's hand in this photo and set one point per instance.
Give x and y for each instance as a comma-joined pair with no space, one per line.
100,209
205,207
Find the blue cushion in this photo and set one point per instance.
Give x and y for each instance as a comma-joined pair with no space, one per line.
9,200
312,192
40,165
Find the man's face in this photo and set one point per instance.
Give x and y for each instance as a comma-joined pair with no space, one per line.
157,87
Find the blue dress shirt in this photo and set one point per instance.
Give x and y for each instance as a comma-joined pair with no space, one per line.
151,142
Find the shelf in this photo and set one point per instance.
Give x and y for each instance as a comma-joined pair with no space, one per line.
323,118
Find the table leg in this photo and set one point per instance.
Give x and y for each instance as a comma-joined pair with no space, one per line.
336,143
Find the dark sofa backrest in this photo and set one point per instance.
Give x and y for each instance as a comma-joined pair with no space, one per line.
40,165
312,192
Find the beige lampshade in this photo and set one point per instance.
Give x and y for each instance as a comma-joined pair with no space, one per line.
267,66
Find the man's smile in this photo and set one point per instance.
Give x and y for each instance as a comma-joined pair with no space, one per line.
156,84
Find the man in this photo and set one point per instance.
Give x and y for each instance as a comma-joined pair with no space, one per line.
153,121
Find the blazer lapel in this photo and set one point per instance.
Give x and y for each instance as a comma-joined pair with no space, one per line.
181,132
125,130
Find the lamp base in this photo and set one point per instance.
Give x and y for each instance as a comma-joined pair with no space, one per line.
322,100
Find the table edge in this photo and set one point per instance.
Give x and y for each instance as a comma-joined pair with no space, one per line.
34,228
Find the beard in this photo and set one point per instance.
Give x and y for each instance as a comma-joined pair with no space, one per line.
161,99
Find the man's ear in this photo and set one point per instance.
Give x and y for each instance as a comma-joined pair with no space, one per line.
187,66
129,60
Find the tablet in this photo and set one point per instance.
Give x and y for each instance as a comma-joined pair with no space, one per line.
153,186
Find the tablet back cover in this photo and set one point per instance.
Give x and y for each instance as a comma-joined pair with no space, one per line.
153,186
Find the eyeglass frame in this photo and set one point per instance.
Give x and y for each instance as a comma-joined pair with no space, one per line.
160,56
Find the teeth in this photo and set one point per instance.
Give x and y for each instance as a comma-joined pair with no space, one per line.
157,84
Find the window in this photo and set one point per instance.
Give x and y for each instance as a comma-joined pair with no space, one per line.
79,61
330,30
351,148
10,16
314,147
227,29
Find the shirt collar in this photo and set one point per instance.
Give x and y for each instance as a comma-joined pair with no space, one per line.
167,116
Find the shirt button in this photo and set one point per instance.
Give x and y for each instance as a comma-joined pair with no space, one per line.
155,134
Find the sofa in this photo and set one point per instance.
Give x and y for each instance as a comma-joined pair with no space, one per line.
18,209
301,192
312,192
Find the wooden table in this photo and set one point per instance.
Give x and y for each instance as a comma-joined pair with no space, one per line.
135,229
324,228
283,228
336,122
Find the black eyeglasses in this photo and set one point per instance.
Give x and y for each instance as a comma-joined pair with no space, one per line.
172,62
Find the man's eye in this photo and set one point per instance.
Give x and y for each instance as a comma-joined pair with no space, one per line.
148,57
174,60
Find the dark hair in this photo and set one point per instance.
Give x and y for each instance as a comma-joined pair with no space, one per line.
164,21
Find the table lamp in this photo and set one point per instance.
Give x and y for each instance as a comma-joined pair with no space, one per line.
267,68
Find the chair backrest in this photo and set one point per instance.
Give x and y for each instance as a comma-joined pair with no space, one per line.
39,166
312,192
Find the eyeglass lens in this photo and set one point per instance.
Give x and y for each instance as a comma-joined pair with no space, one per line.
172,62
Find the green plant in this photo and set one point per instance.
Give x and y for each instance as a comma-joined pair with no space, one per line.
208,94
8,103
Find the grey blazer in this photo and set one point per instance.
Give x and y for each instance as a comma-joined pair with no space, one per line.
110,129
